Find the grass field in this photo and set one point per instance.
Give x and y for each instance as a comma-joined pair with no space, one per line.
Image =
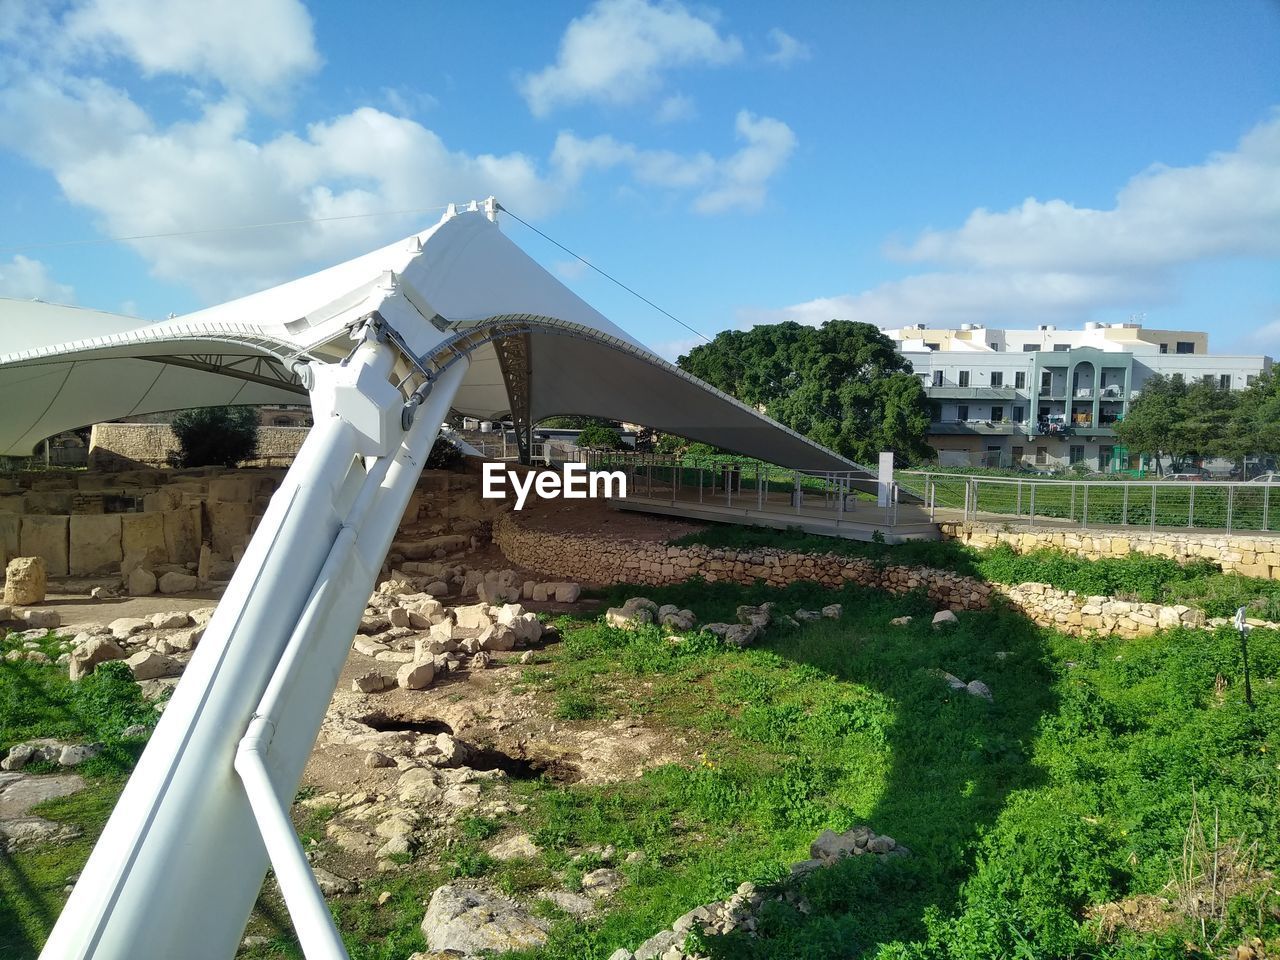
37,700
1073,788
1186,505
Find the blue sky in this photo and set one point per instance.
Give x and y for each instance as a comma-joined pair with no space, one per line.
999,162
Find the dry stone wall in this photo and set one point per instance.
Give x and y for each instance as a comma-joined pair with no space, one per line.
583,558
125,446
1250,556
605,562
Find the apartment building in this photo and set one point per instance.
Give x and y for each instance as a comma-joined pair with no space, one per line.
1049,398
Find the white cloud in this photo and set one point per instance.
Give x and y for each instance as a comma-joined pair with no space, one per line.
1261,339
250,47
1227,206
570,269
736,182
786,49
25,279
141,179
676,109
619,50
951,298
1055,262
673,349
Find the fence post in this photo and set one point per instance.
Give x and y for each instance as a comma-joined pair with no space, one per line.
1031,513
1266,497
1017,510
1231,499
1072,515
1084,508
1191,507
1153,508
1124,505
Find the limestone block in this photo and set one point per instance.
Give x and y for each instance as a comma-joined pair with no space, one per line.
93,651
178,583
229,524
46,537
140,582
10,526
142,534
24,581
416,676
95,543
49,502
13,503
181,536
231,489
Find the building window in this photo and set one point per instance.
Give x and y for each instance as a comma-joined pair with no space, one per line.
1224,381
962,411
1250,380
1042,455
1016,453
964,378
930,345
1186,346
997,414
935,412
1030,347
997,379
1061,347
1104,457
1076,455
1020,380
282,422
1018,414
1046,381
937,378
1207,379
1164,348
994,346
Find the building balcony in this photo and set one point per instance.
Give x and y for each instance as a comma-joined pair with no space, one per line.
985,428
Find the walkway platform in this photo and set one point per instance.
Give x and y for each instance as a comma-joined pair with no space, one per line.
860,523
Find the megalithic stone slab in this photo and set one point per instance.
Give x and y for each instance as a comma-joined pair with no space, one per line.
46,537
143,533
95,544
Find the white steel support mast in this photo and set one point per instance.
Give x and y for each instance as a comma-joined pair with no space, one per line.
181,860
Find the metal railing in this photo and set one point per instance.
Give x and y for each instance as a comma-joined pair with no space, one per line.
1234,507
752,485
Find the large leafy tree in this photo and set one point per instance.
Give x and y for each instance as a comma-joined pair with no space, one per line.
216,436
842,384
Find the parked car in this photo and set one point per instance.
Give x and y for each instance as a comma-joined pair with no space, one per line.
1271,476
1184,477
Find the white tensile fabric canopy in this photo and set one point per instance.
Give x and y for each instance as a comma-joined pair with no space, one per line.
548,352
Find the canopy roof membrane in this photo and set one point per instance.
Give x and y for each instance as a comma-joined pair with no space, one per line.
536,350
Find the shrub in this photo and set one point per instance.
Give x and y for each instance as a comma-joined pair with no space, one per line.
216,436
444,455
596,437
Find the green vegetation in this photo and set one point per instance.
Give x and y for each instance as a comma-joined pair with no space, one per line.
1186,422
216,436
1182,505
1074,788
842,384
599,437
37,700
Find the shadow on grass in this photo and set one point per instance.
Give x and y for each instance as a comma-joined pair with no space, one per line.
951,759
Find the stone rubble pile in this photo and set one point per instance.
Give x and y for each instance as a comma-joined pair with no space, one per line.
426,639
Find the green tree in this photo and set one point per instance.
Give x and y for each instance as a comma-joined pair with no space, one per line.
216,436
575,422
842,384
1152,424
597,437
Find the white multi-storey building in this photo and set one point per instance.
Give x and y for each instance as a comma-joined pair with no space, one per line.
1049,398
